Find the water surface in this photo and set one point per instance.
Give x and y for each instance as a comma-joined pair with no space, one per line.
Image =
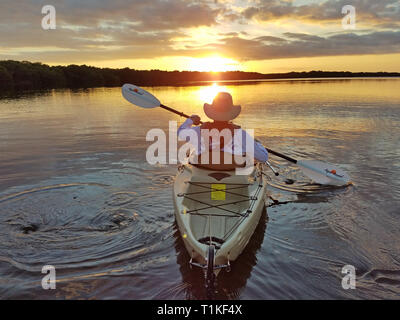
76,192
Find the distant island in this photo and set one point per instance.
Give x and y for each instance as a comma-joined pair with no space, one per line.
24,75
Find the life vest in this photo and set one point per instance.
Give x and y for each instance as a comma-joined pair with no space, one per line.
221,166
219,126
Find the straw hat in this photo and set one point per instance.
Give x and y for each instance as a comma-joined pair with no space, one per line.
222,108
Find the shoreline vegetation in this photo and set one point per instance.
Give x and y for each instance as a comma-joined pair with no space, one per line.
16,76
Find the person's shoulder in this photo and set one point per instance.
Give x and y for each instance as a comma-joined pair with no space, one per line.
206,125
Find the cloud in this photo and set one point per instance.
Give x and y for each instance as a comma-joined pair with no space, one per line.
119,28
296,45
302,36
289,45
147,15
368,11
99,30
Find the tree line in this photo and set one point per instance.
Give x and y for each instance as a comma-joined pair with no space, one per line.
24,75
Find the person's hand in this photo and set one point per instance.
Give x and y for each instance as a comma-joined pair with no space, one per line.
195,119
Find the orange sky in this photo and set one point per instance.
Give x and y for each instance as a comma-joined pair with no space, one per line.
356,63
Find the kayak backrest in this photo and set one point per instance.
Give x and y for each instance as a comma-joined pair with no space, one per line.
218,161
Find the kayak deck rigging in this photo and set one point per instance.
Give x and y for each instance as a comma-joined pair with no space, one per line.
217,213
242,214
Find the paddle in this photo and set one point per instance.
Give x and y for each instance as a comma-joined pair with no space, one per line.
320,172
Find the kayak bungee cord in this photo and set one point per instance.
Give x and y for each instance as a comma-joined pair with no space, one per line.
250,210
219,207
202,185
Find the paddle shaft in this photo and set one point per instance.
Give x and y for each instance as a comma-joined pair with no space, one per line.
176,112
280,155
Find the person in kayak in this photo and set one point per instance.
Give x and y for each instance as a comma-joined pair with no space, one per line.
222,111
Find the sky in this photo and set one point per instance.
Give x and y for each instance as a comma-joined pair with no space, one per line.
209,35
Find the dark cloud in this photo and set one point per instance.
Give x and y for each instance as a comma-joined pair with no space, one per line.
146,15
270,39
368,11
302,36
297,45
141,28
82,38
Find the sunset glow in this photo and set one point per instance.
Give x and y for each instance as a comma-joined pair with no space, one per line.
254,36
213,64
206,94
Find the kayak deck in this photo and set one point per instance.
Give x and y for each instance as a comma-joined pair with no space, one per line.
217,209
215,217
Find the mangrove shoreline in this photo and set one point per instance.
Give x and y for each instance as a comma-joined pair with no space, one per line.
17,76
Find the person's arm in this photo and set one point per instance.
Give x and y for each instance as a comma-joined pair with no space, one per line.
189,133
260,153
193,120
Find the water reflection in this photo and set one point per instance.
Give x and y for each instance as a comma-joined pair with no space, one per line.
76,190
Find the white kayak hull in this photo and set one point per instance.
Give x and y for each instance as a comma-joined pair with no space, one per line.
218,208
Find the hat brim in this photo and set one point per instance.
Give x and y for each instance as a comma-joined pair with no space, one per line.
222,116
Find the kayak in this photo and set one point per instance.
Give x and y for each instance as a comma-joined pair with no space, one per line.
217,213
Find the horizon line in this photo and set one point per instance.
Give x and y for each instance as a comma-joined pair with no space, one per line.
210,71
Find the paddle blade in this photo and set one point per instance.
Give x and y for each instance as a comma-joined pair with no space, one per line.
139,97
324,173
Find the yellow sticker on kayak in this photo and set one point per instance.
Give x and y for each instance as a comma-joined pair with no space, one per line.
218,191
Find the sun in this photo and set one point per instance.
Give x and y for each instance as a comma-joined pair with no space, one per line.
213,64
208,93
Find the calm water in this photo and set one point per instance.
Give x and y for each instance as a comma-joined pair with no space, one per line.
77,193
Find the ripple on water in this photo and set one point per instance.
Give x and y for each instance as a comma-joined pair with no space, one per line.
161,180
82,225
121,198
